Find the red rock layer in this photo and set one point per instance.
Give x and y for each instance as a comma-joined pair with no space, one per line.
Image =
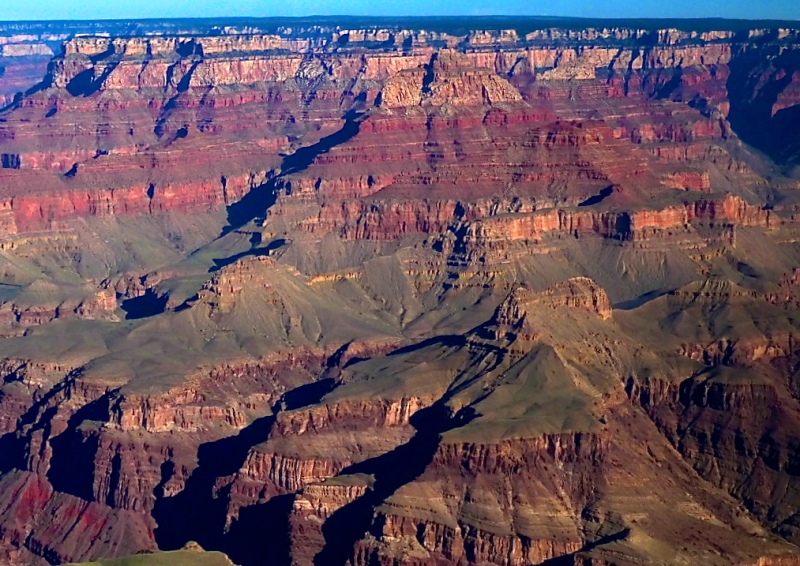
156,95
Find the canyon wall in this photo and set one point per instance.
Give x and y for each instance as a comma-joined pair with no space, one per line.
474,298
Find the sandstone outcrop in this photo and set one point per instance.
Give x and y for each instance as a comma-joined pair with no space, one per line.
329,294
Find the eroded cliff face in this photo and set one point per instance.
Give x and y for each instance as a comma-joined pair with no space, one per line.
424,455
492,298
461,497
482,531
182,145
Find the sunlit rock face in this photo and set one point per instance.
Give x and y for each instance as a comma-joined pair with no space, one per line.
319,294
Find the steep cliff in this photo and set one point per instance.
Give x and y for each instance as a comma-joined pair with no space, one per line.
332,295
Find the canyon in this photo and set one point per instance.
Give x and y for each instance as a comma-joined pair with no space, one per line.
410,292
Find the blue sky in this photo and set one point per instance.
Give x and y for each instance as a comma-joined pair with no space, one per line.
96,9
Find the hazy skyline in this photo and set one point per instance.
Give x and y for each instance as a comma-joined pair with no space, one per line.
103,9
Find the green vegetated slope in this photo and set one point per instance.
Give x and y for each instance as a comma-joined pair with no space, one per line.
176,558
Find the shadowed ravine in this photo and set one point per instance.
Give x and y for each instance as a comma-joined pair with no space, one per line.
195,514
560,266
571,559
198,513
751,115
392,470
256,202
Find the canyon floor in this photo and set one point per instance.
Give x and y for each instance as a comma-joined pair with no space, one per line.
420,292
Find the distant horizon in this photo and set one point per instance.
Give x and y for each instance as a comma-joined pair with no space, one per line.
395,17
97,10
522,18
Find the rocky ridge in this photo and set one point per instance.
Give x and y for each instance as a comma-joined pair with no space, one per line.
401,297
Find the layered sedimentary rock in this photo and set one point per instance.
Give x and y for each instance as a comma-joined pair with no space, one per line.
173,87
333,295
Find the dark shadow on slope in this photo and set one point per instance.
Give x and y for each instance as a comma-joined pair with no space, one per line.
114,479
97,57
149,304
255,252
10,161
166,112
72,465
785,122
186,80
261,534
13,445
346,526
623,227
307,394
172,104
38,416
46,83
674,83
14,104
189,48
752,101
427,80
449,341
251,206
572,558
305,156
256,202
72,171
640,300
334,366
195,514
86,83
199,512
599,197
